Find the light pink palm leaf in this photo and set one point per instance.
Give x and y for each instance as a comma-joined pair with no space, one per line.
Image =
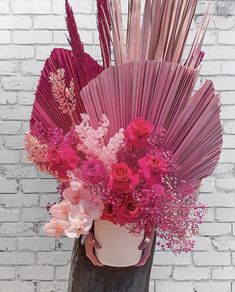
160,35
162,93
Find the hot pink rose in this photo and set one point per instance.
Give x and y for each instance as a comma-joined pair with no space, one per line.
152,168
61,211
122,179
129,212
62,160
54,156
108,214
137,132
55,228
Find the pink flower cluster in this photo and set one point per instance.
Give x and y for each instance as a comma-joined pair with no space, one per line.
129,180
75,214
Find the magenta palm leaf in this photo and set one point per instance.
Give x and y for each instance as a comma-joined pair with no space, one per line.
79,68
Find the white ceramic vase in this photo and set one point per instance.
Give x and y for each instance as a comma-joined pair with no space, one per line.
119,248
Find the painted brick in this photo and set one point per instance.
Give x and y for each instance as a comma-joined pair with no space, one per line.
168,258
62,273
17,52
16,286
19,113
174,287
33,185
8,98
54,258
36,243
49,286
5,37
213,229
211,258
32,37
5,8
213,287
7,244
7,273
36,273
9,215
185,273
18,229
49,22
161,273
81,7
224,243
34,214
15,22
223,273
31,7
19,200
10,127
225,214
16,258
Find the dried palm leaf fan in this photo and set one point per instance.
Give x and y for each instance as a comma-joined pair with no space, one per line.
61,109
148,81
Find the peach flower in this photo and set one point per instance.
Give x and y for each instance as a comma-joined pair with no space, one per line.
61,211
55,228
74,197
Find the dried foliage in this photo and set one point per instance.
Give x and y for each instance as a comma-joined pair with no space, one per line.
36,152
64,96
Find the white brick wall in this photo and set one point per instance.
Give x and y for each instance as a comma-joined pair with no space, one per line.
32,262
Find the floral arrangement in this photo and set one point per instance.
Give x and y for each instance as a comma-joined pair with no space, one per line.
129,140
129,180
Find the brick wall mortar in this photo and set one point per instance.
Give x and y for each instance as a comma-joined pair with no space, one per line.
32,262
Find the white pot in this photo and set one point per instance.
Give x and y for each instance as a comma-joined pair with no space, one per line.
119,248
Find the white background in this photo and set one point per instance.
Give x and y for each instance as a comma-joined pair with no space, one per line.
31,262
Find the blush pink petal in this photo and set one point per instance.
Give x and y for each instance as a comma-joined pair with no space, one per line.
55,228
93,209
74,197
79,225
61,211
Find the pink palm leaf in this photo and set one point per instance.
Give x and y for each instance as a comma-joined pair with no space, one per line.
162,93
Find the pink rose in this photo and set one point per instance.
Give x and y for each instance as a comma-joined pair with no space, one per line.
122,179
137,133
55,228
152,168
